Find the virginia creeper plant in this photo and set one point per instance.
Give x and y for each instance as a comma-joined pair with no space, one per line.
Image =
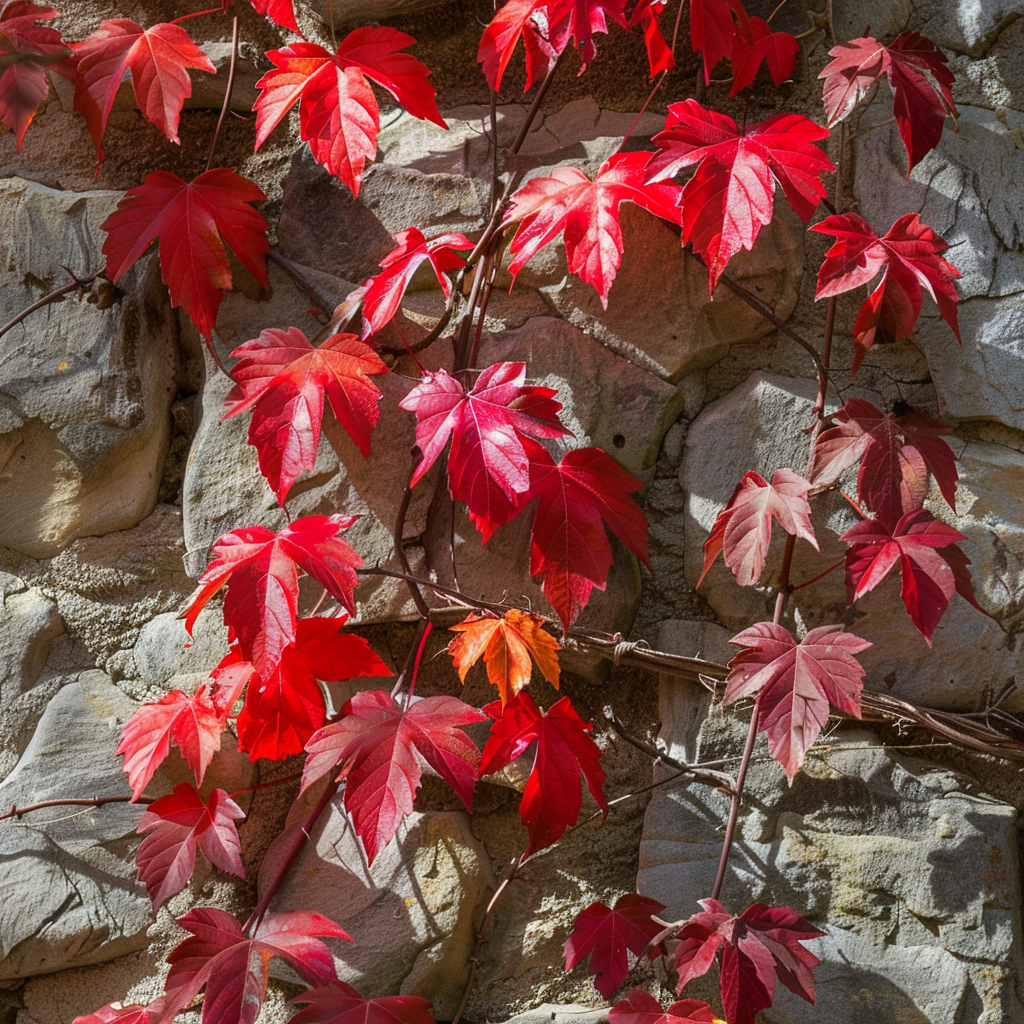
506,453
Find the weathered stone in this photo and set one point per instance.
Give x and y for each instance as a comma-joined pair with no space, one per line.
411,915
84,393
911,873
559,1013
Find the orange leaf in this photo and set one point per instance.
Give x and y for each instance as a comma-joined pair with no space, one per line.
506,644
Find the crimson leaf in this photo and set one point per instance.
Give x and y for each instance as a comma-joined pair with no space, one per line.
642,1008
339,1003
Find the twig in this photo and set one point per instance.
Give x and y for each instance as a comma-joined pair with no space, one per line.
398,536
300,281
65,289
85,801
227,92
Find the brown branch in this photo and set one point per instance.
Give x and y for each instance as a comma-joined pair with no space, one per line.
77,285
85,801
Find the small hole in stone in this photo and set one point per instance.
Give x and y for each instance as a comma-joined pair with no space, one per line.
619,441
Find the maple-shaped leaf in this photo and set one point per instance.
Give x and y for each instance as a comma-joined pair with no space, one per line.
731,195
338,114
261,571
193,723
233,966
506,643
384,296
919,77
587,214
115,1013
712,30
176,824
760,945
156,58
896,453
386,746
756,42
794,683
743,529
27,52
283,711
489,465
608,936
659,55
546,28
641,1007
280,12
908,255
932,567
197,223
577,499
553,794
339,1003
283,379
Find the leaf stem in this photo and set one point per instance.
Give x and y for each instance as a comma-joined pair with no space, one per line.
196,14
299,280
265,785
66,289
420,648
85,801
227,92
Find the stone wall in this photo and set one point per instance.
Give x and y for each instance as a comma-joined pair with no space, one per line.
118,476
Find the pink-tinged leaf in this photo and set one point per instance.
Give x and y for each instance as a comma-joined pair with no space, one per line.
659,55
794,683
932,567
283,712
919,77
114,1013
896,453
553,794
757,44
608,936
730,196
176,824
338,114
489,426
908,256
193,723
233,966
27,52
386,747
759,946
261,572
157,60
339,1003
586,214
280,12
283,380
743,529
642,1008
197,223
384,296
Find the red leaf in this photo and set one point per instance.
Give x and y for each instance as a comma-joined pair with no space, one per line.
282,713
794,684
176,824
384,295
261,571
553,794
338,113
233,967
196,223
546,27
712,31
280,12
577,499
156,58
646,14
642,1008
896,454
113,1013
607,935
909,256
756,42
587,212
489,465
193,723
743,529
339,1003
931,565
27,52
283,380
387,746
759,946
919,77
730,197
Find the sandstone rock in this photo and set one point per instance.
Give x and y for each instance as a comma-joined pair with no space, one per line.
411,914
84,392
908,869
559,1013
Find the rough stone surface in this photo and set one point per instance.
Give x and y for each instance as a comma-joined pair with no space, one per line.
908,868
410,915
85,393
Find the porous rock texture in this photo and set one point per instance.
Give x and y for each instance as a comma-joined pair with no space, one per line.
119,476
